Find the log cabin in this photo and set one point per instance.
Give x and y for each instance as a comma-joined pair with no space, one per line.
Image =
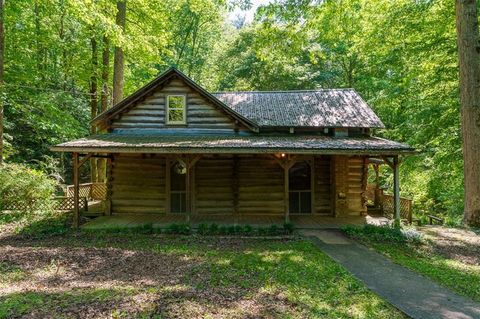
173,148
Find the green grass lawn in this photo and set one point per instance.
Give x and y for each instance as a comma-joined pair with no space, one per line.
440,257
165,276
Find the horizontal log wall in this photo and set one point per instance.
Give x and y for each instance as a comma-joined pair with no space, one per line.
260,186
349,185
356,189
138,184
151,113
213,185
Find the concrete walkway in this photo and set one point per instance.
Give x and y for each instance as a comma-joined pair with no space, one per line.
415,295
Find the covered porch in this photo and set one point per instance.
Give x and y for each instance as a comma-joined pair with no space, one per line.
236,179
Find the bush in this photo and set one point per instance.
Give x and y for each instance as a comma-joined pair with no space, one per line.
21,184
247,229
213,229
288,228
203,229
383,233
222,230
272,230
180,229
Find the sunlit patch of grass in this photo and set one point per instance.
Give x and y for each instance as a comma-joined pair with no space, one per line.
10,273
460,277
21,303
418,256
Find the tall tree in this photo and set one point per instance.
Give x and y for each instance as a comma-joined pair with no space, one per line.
93,101
469,61
118,62
104,102
2,55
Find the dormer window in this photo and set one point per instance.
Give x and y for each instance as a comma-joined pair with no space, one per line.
176,109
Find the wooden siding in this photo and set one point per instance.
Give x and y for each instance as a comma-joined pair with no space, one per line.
261,186
256,187
213,185
349,185
150,113
322,185
138,184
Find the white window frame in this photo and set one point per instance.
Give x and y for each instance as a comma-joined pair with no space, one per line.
184,109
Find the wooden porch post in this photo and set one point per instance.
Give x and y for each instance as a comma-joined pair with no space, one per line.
286,170
187,187
396,189
76,210
377,185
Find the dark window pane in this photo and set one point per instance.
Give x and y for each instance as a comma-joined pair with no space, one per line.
178,177
178,202
305,202
299,176
294,200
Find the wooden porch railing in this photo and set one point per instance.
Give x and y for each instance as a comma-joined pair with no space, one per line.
385,203
91,191
61,203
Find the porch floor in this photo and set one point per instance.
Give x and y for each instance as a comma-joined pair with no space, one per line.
162,221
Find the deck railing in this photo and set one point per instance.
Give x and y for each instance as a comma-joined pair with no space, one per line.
91,191
61,203
385,203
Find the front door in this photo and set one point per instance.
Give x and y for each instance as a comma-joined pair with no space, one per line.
300,188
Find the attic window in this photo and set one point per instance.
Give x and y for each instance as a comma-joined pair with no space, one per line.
176,109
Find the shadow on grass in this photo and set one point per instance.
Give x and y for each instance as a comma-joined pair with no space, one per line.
71,303
198,276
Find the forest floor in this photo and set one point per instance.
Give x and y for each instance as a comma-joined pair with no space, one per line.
449,256
87,275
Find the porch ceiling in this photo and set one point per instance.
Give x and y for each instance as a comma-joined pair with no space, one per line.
248,144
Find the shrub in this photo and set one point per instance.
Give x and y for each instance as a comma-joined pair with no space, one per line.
288,228
181,229
383,233
238,229
203,229
247,229
213,229
262,231
222,230
231,230
272,230
21,184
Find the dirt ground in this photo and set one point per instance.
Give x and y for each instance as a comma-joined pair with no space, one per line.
90,282
454,243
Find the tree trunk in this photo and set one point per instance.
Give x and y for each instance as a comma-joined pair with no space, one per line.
2,55
469,62
105,73
104,103
118,62
93,103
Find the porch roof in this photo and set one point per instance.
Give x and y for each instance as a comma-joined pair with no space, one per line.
294,144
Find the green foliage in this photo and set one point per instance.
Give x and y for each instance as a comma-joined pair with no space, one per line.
203,229
384,51
180,229
20,184
386,234
247,229
213,229
288,228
